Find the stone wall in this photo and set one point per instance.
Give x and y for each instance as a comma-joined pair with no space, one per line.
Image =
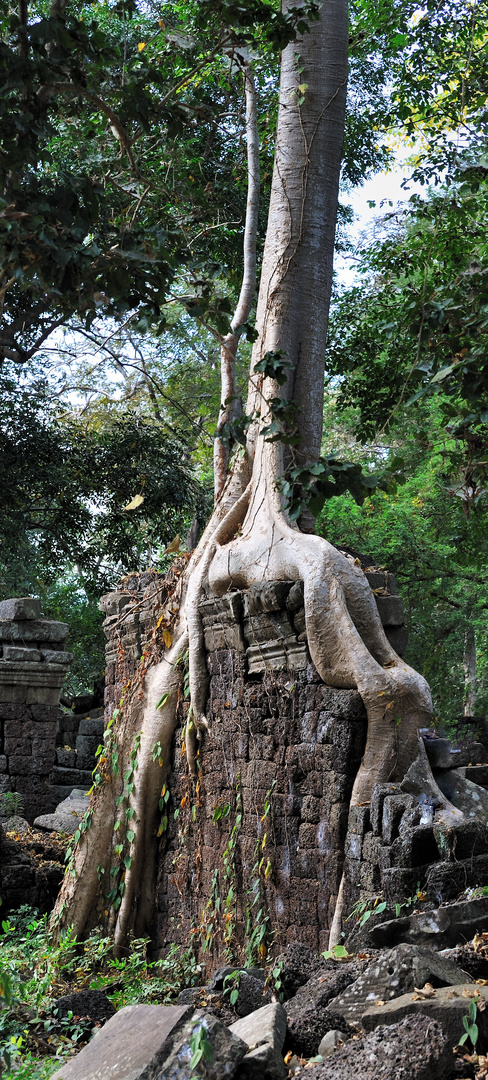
78,735
257,845
33,664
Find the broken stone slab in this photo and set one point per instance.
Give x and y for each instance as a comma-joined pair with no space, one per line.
21,654
67,814
471,799
447,1005
441,928
397,971
475,963
133,1044
45,630
415,1049
263,1063
20,607
265,1025
227,1051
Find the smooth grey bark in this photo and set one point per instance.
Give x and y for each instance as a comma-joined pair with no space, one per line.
230,403
469,664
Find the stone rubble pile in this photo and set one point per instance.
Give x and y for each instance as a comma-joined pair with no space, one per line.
391,1015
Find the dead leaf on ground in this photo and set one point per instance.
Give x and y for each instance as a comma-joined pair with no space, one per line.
427,991
380,1002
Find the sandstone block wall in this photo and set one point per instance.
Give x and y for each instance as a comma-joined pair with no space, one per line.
256,847
33,663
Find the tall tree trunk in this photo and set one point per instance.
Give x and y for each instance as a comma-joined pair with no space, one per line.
469,664
249,537
230,402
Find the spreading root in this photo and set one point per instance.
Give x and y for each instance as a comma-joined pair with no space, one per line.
248,540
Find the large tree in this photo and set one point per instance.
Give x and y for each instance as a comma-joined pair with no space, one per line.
251,536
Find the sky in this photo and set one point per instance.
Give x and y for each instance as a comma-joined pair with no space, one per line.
385,190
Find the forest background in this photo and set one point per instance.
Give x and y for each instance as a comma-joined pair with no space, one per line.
123,161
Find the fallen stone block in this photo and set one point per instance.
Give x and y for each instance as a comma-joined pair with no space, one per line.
395,972
265,1025
263,1063
226,1051
133,1044
470,798
298,962
416,1049
310,1014
447,1005
442,928
67,814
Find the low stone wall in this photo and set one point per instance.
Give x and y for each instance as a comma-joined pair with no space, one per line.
33,664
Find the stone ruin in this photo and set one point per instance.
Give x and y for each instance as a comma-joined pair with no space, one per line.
45,752
33,664
263,838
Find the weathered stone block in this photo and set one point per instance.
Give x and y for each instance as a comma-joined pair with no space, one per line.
86,746
20,607
3,763
294,600
277,656
270,596
401,968
415,847
115,602
65,758
91,725
38,630
73,777
390,610
267,627
398,638
133,1044
394,807
447,1006
21,654
378,795
222,618
381,579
